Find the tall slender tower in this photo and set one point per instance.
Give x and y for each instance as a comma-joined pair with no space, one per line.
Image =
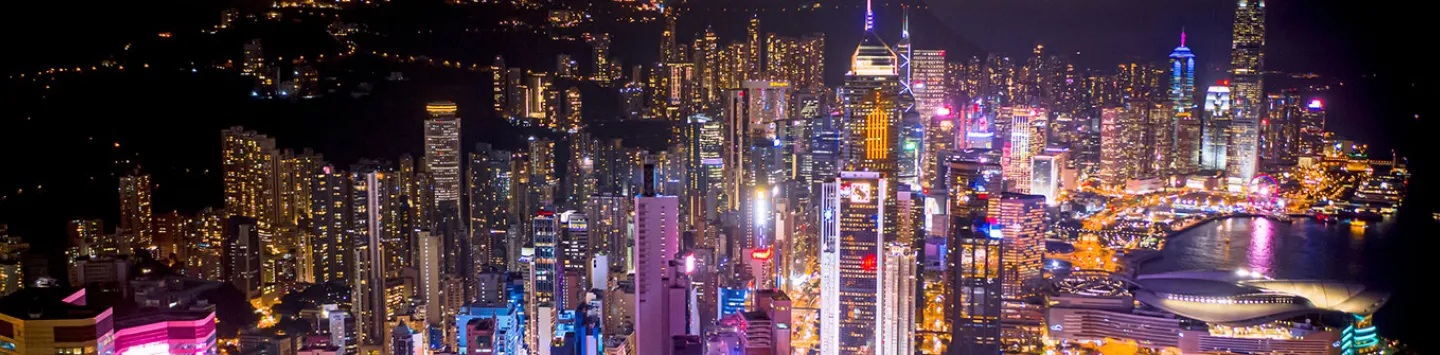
1182,77
1247,60
136,229
851,240
905,52
442,150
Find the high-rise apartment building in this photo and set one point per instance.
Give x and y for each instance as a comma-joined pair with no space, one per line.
136,228
249,161
851,237
368,266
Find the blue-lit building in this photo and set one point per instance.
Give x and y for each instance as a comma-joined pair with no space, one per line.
1360,338
508,332
1182,77
732,300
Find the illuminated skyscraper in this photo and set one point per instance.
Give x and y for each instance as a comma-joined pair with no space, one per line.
1247,59
1024,122
749,151
367,280
1311,133
442,151
1182,77
489,194
973,260
1045,176
1189,135
1022,218
851,236
499,90
136,229
870,99
928,80
897,300
1218,118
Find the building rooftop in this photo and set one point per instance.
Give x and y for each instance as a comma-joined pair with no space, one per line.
1239,298
49,303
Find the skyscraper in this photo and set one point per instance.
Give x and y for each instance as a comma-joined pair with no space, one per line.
871,105
367,280
442,151
489,194
851,236
1182,77
897,301
657,240
136,229
1024,138
749,152
1022,218
1247,61
1219,115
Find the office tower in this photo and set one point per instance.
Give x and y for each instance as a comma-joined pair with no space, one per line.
136,228
330,242
928,80
903,52
489,192
1157,140
442,151
1182,77
940,141
1311,133
850,244
1022,218
973,259
657,240
544,268
367,280
602,70
749,150
249,161
826,145
1022,134
1120,130
242,255
1242,154
897,300
428,263
1247,61
712,165
1219,116
1045,176
1189,136
871,101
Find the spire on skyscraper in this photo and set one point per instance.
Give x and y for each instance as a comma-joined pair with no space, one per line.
869,17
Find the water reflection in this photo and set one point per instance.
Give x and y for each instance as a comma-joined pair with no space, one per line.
1303,249
1262,255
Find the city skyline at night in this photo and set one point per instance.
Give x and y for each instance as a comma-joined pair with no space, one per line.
714,177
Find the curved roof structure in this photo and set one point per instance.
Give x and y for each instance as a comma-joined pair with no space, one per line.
1241,298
